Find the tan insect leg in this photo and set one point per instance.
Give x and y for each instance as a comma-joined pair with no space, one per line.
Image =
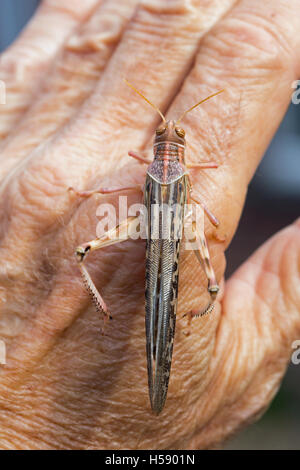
138,157
203,165
209,214
120,233
204,257
202,254
196,199
106,190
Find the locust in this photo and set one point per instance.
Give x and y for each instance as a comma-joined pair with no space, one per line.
167,184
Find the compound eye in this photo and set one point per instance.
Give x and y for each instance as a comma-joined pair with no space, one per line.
160,130
180,132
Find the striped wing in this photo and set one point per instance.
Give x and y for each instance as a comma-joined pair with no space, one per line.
164,233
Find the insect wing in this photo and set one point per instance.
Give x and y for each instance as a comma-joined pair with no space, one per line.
165,209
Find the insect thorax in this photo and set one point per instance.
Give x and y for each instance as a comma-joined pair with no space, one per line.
168,163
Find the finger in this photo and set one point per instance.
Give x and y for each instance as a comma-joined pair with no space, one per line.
25,62
261,311
252,53
73,77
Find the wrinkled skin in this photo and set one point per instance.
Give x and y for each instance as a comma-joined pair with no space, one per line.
69,121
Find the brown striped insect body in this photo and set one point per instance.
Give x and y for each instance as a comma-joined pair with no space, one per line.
166,186
167,189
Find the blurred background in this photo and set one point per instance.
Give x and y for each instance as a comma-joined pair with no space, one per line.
273,202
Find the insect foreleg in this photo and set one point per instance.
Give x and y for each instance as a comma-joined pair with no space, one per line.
202,165
120,233
105,190
138,157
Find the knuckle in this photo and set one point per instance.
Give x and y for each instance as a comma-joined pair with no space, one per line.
87,50
162,19
103,30
76,9
252,38
161,7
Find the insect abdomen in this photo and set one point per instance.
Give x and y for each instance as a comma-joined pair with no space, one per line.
164,234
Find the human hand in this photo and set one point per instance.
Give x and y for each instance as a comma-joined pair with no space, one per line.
64,385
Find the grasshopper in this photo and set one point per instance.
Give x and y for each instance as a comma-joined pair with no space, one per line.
167,183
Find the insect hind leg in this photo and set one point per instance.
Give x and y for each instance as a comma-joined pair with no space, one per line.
119,233
203,257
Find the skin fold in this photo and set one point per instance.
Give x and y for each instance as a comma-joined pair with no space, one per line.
70,121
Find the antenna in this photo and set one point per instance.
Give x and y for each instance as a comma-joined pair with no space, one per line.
197,104
146,99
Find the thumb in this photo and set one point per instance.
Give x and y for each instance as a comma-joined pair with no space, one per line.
259,323
268,287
